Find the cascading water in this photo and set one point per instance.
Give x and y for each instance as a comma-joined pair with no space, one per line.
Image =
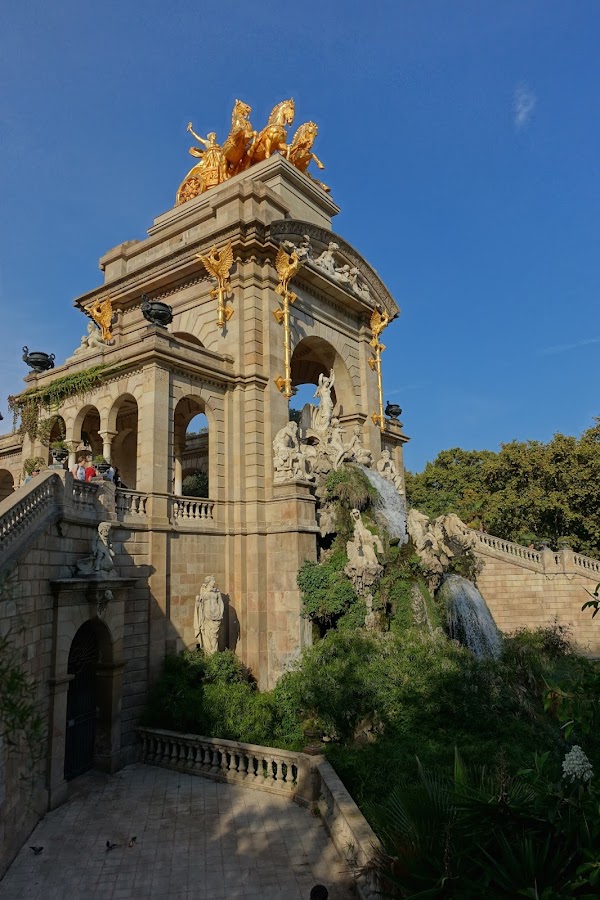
469,619
393,506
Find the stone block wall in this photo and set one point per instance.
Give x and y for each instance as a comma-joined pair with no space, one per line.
520,597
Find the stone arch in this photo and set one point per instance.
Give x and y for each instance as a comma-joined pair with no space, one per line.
58,431
7,484
86,427
314,356
122,434
187,408
190,338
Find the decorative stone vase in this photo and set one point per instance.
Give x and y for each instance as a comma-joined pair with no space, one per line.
393,410
102,468
38,361
60,455
156,313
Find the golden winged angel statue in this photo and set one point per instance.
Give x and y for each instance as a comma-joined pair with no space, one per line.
287,265
102,314
379,321
219,263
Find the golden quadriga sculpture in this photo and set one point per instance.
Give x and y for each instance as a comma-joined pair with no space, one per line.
244,146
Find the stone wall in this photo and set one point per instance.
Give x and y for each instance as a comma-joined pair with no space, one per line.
530,589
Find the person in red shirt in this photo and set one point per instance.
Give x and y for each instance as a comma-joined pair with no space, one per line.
90,472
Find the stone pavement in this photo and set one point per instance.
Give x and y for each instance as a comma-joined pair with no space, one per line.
195,839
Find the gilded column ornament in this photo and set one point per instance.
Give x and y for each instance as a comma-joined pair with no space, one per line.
379,321
219,263
287,266
102,314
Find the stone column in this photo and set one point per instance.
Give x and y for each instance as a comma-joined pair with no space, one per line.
107,439
72,445
178,475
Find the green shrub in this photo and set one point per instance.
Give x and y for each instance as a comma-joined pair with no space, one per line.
326,592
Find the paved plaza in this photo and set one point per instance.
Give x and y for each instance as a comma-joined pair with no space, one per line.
194,838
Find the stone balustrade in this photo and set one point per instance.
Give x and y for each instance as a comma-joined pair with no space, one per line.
191,510
545,560
130,503
83,495
309,780
36,499
263,768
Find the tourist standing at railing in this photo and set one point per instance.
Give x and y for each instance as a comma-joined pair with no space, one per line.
90,472
78,470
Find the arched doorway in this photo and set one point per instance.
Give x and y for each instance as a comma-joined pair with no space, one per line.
86,429
89,710
7,484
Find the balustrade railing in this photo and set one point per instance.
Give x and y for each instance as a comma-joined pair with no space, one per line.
188,510
507,548
265,768
130,503
21,514
83,495
591,566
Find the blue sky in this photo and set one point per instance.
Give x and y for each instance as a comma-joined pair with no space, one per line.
461,139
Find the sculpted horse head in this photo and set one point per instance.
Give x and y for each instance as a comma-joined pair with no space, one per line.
283,113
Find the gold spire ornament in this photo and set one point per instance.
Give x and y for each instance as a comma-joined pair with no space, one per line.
287,265
379,321
244,147
219,263
102,314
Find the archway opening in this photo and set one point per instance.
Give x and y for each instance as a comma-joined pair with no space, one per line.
191,449
89,705
124,450
87,431
7,484
313,357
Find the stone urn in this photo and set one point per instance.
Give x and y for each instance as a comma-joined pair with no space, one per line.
59,454
38,361
393,410
156,313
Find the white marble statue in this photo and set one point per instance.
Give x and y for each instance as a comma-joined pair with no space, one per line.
289,460
387,469
356,451
208,615
322,414
336,449
100,564
437,542
326,261
90,341
363,567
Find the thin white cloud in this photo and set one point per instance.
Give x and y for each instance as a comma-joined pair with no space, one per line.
563,348
524,101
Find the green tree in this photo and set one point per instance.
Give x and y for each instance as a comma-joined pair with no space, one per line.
527,491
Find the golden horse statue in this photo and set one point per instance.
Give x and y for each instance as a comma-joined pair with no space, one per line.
239,139
300,152
273,135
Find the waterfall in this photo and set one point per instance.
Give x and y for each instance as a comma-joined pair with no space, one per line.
469,619
393,505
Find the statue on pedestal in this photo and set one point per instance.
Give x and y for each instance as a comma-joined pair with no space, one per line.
100,564
356,451
322,414
363,568
289,459
208,615
91,341
387,469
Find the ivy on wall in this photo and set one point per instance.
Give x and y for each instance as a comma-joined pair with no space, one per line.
28,406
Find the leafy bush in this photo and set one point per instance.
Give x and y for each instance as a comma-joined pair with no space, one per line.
326,592
195,485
